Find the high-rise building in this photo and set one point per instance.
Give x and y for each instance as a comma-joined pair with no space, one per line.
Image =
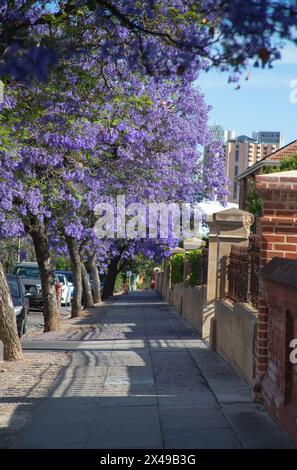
217,132
242,152
228,135
265,137
218,135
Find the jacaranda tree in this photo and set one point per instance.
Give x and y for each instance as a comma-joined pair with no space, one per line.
98,102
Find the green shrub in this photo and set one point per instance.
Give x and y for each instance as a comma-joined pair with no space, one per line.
177,268
196,274
289,163
119,282
62,264
253,202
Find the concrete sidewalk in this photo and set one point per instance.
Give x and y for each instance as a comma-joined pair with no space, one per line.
145,380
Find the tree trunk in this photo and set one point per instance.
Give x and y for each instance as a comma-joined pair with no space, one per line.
51,312
73,250
8,328
95,277
110,278
88,296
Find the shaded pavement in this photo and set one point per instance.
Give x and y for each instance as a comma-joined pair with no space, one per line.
143,379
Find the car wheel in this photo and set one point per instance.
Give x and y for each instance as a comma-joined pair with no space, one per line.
20,327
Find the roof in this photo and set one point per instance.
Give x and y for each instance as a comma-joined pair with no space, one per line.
286,151
242,138
272,159
29,264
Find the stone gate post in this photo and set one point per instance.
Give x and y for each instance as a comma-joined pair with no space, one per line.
227,228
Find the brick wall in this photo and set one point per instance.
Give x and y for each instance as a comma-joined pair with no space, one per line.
279,385
278,232
278,296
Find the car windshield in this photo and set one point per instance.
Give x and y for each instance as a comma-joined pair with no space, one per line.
61,278
14,288
27,271
69,277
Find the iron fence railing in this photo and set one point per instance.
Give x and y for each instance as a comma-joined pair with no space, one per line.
254,253
238,274
243,274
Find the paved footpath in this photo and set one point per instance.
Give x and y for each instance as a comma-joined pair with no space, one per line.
145,380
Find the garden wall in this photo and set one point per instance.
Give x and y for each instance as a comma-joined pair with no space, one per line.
236,336
176,296
194,301
189,302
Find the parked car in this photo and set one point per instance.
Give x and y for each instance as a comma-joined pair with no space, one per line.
30,277
29,274
67,288
20,302
69,277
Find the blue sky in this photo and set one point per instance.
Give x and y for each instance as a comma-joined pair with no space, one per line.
262,103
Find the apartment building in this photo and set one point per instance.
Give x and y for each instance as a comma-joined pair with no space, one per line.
242,152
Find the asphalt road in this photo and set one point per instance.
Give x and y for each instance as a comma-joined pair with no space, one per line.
35,318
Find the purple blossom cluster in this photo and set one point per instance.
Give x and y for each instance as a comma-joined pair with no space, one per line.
102,126
159,38
142,138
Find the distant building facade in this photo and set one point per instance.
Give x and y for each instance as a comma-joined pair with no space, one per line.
242,152
265,137
247,176
217,132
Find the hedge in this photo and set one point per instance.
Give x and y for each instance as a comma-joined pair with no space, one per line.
196,274
177,268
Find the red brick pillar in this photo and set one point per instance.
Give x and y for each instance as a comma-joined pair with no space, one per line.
278,232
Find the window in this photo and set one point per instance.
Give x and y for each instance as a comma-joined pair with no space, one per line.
27,271
14,288
69,277
237,155
236,170
61,278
